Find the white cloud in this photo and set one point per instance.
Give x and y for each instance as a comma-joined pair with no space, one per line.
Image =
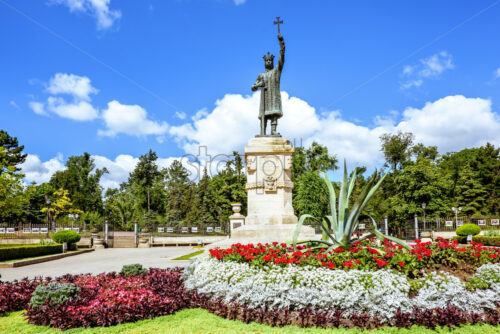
428,68
97,8
239,2
130,119
180,115
451,123
77,86
38,108
78,111
39,172
14,104
497,73
119,168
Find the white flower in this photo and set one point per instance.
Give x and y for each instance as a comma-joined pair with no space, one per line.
380,293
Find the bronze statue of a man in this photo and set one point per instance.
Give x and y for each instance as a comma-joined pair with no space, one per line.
269,84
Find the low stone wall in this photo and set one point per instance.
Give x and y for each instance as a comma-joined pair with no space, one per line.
24,241
191,241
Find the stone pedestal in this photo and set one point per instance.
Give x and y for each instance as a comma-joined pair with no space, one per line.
236,220
269,187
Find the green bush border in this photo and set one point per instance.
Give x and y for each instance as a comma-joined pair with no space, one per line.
487,241
24,251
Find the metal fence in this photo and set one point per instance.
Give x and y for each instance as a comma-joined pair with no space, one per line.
170,230
38,231
445,224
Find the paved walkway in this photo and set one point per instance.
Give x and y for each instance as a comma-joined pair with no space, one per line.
101,260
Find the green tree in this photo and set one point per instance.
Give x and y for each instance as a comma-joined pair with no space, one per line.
306,165
312,195
12,153
204,209
146,174
179,192
470,193
420,182
13,196
229,185
428,152
315,158
61,204
397,148
81,179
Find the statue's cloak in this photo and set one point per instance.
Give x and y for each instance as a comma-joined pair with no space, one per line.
270,98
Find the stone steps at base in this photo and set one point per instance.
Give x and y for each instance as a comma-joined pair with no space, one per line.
123,242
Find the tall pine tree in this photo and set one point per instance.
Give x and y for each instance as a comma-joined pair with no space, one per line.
204,209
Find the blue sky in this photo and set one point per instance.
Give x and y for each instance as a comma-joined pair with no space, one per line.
115,78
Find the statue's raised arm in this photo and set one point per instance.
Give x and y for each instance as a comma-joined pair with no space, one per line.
281,61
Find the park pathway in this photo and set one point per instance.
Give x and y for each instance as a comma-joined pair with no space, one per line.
99,261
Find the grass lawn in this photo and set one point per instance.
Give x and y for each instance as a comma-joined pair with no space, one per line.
188,256
200,321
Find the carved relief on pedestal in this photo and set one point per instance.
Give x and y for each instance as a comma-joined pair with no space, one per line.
251,164
288,163
262,185
270,184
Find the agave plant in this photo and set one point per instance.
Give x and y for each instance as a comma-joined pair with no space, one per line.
338,227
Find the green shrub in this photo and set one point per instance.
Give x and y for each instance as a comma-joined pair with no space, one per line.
28,250
462,239
53,293
487,241
468,229
133,269
492,233
70,237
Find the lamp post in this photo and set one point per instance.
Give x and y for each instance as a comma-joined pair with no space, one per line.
423,208
73,217
456,213
47,203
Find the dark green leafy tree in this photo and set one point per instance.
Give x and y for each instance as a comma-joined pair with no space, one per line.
315,158
81,178
12,153
427,152
179,193
470,193
307,164
204,209
397,148
420,182
145,175
312,195
229,186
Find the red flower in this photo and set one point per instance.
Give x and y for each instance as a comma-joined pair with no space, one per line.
347,264
402,264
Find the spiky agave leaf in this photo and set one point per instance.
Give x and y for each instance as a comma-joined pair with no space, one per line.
382,236
333,209
302,219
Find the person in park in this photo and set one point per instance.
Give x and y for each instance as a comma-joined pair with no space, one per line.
269,84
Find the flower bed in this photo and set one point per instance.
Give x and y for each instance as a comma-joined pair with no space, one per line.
279,286
442,255
380,294
383,285
102,300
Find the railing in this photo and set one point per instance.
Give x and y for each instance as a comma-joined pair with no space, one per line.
160,230
446,224
37,231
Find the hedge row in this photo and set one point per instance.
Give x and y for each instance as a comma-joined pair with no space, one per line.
487,241
22,251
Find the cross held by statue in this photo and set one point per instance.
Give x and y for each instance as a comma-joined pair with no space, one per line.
278,22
